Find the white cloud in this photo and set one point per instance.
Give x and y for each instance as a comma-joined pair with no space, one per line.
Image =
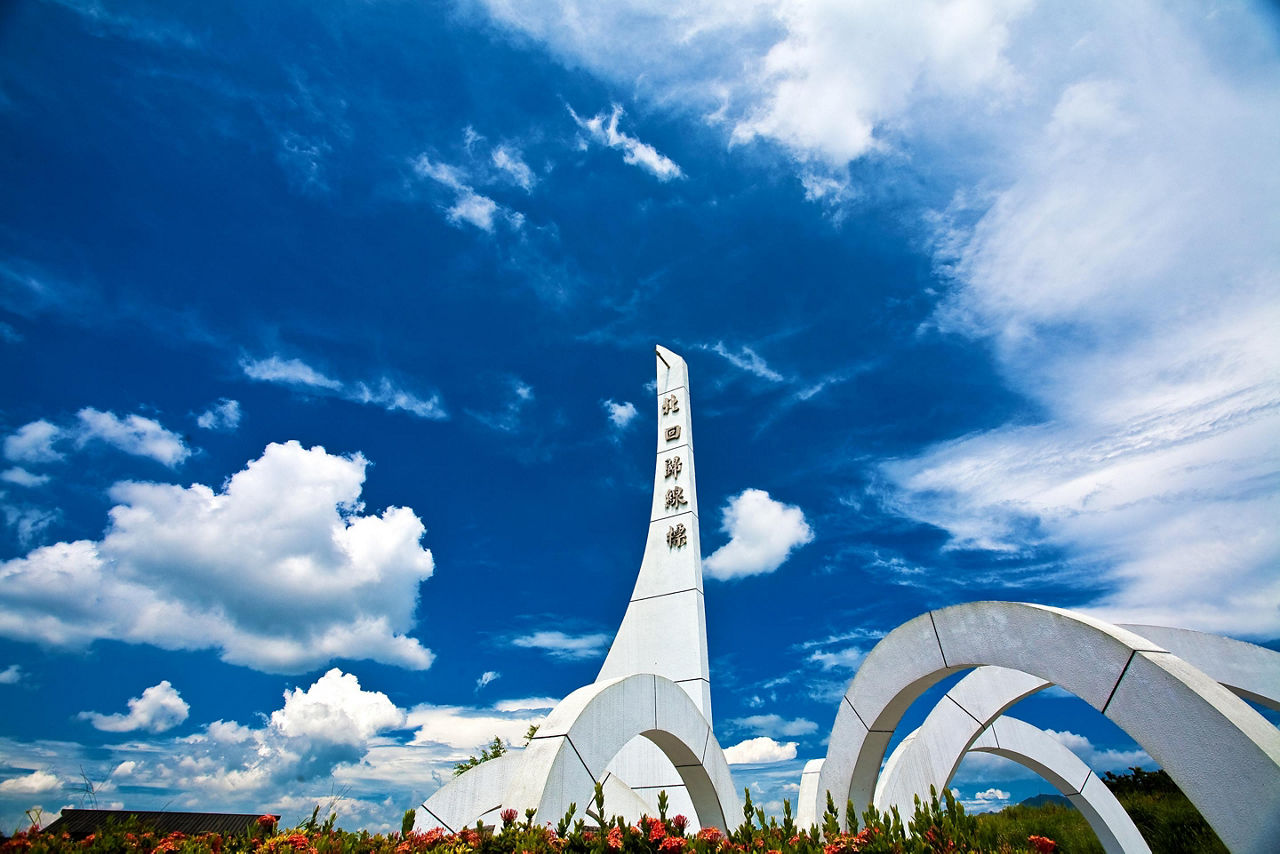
159,708
11,675
567,647
1100,759
776,724
846,658
223,415
34,443
28,522
475,209
508,419
336,710
383,392
762,532
463,730
469,206
518,704
508,160
21,477
133,434
604,130
392,398
486,678
620,414
992,794
748,360
35,783
759,751
274,369
277,571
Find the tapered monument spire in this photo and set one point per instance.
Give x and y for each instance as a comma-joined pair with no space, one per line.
664,630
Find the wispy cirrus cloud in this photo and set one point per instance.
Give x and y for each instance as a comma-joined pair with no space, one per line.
603,129
382,392
558,644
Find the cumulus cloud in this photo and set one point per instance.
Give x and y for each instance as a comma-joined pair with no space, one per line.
760,751
335,709
21,477
383,392
487,677
11,675
619,414
560,645
223,415
159,708
133,434
34,443
278,570
35,783
762,532
604,130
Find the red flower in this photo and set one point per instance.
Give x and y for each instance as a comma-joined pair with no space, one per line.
709,834
1043,845
679,823
672,845
266,822
508,817
615,837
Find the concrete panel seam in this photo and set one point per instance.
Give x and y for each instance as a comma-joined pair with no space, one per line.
443,823
963,709
705,742
855,713
584,764
1110,696
938,638
660,595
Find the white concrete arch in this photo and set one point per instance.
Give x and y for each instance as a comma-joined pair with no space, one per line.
1222,753
931,756
1036,749
574,746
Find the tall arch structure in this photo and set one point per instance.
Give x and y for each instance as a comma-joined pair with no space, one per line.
1222,753
931,756
644,725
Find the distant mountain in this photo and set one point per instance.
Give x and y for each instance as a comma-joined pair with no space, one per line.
1041,800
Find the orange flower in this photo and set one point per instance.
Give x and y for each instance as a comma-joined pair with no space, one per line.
1043,845
615,837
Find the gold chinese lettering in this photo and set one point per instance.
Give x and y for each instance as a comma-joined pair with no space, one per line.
675,497
670,404
673,433
677,537
673,467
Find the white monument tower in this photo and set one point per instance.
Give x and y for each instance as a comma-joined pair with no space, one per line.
644,725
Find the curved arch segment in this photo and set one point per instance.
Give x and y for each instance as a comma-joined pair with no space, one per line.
1208,740
575,744
1037,750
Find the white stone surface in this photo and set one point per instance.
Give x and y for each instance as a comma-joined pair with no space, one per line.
466,798
592,725
1221,752
1036,749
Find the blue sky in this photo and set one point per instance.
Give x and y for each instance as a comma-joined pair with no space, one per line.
328,329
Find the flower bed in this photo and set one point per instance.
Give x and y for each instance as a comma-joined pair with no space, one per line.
936,826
